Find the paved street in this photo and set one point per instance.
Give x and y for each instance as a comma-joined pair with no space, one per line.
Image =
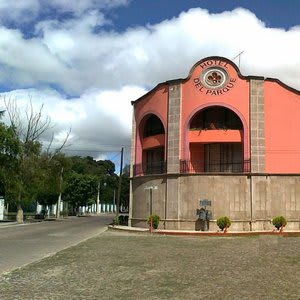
23,244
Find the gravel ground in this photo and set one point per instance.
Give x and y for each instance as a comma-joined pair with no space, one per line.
119,265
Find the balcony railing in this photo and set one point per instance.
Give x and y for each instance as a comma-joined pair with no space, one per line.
150,168
191,167
218,125
188,167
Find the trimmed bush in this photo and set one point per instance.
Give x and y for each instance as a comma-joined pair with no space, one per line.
116,221
155,220
279,222
223,222
123,220
64,213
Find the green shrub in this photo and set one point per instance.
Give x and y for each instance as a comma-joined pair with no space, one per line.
116,221
123,220
223,222
64,213
155,220
279,221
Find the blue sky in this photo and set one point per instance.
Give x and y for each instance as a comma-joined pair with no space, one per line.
275,13
86,60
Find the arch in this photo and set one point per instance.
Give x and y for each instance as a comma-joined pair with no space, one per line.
152,125
142,121
240,125
150,147
215,117
221,104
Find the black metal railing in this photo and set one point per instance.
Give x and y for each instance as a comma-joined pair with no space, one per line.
187,167
217,126
190,167
150,168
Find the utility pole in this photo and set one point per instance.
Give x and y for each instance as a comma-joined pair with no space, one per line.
114,200
120,184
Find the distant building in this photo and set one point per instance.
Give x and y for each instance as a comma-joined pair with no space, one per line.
217,135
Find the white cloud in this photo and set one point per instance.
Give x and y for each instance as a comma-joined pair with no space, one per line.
75,57
107,69
24,10
100,120
26,62
80,6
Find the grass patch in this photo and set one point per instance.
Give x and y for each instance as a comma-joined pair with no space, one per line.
118,265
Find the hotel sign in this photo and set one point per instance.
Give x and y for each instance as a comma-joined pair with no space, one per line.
214,79
205,202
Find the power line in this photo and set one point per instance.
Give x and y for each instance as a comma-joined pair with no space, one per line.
95,150
67,149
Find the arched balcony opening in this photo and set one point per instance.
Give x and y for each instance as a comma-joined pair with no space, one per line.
153,126
214,118
216,142
152,136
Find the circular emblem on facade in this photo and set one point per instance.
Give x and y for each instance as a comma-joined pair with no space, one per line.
214,78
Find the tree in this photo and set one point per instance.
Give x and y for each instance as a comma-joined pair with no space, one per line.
102,170
51,185
103,174
81,190
88,165
28,131
9,151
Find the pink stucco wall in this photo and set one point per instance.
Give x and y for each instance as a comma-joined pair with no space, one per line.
196,98
282,129
282,112
156,102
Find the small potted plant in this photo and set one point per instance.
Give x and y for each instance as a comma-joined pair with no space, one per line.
116,221
154,220
279,222
224,223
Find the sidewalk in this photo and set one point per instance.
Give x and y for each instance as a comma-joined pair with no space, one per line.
285,233
7,223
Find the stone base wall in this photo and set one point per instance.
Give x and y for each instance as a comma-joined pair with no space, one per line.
249,201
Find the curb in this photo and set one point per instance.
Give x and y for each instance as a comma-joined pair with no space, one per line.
128,229
204,233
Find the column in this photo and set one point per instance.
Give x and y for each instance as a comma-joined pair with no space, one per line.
257,121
